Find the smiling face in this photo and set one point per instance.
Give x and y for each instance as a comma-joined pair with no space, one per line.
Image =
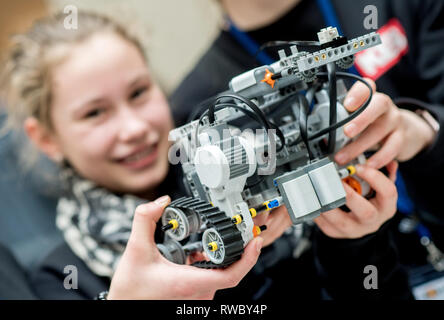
110,120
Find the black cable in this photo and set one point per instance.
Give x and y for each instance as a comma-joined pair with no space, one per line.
267,124
351,116
202,106
210,111
303,118
311,92
258,116
273,108
346,120
250,104
309,96
248,113
332,93
261,179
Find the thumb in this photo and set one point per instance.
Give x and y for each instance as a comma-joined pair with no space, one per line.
238,270
145,219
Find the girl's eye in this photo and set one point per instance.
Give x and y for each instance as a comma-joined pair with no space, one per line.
138,92
94,113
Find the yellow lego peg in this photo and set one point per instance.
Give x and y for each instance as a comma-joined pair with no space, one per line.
174,223
351,170
237,219
212,246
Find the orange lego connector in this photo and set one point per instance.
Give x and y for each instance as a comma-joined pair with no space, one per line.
267,78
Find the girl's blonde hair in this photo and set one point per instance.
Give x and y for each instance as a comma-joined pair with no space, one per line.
26,79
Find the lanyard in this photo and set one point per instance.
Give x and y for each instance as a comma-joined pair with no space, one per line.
329,14
248,43
331,19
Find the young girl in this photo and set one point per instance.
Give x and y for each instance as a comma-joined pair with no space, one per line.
86,99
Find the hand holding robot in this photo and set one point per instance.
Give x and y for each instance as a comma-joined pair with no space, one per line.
233,177
142,264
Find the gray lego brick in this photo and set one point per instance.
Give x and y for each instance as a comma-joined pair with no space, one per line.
323,57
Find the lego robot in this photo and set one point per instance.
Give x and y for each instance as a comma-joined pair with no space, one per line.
266,142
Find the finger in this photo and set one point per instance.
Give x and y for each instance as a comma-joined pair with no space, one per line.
206,280
340,220
276,226
196,257
379,104
144,222
361,209
326,227
279,214
389,151
370,137
232,275
261,218
386,193
280,221
392,169
357,95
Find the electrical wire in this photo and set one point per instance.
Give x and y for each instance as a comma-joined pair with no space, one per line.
351,116
311,92
332,93
260,180
261,116
202,106
304,102
248,113
303,118
346,120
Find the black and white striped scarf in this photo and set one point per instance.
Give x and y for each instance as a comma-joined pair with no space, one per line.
95,223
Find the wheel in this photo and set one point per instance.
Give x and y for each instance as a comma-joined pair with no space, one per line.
213,246
182,230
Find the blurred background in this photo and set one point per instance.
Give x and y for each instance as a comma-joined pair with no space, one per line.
171,53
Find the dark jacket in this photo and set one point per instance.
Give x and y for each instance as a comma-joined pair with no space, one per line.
13,280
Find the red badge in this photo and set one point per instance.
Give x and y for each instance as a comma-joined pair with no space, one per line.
374,62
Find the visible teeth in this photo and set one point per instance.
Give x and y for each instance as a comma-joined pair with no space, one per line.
139,155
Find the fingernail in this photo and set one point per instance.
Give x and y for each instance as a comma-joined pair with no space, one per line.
163,201
340,157
349,102
359,168
259,243
350,129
